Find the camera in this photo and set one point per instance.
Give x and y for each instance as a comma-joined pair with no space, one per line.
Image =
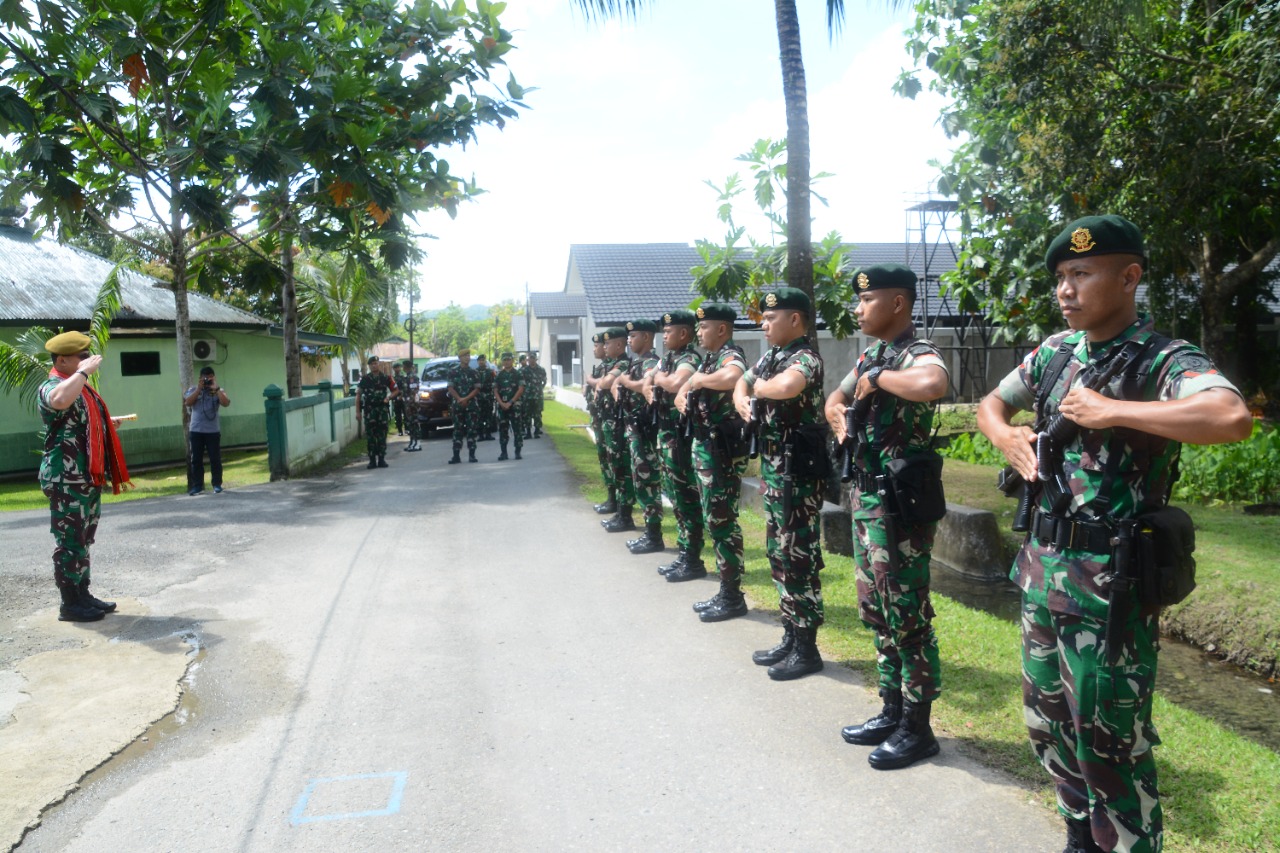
207,382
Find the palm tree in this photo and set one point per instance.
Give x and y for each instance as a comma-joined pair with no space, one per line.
795,94
342,296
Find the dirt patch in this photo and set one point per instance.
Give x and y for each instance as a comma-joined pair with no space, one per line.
1232,626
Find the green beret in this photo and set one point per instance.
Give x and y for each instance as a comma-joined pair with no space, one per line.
717,311
642,326
679,317
68,343
785,297
884,277
506,356
597,338
1096,235
613,334
373,359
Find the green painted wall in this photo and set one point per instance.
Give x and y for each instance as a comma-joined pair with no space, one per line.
245,365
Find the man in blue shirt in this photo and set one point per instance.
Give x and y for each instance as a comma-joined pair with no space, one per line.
205,432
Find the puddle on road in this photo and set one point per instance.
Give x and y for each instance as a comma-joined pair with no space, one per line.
1188,676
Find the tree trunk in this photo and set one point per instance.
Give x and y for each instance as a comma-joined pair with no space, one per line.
289,312
181,310
794,91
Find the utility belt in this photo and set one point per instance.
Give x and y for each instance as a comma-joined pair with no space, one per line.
810,458
1066,533
725,439
864,481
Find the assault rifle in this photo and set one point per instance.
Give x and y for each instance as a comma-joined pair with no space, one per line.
658,409
752,427
855,421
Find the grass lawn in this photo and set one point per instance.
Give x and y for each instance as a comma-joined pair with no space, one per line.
1220,791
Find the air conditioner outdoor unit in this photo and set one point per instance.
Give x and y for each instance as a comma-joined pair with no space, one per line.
204,350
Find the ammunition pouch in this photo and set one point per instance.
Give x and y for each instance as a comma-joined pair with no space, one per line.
916,482
1164,544
810,458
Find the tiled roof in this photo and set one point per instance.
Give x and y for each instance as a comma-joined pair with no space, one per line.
558,304
44,282
630,281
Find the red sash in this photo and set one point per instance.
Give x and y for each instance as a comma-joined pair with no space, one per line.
104,442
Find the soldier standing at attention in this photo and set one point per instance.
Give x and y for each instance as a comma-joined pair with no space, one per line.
1089,669
410,394
719,458
595,401
786,385
372,394
535,379
615,436
902,375
486,416
674,449
81,451
523,363
398,404
464,387
509,388
642,438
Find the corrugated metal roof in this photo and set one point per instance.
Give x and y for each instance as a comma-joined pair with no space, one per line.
45,282
631,281
553,304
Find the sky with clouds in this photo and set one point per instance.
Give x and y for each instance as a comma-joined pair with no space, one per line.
630,118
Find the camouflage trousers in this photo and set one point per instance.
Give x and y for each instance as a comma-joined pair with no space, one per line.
645,472
615,442
534,410
681,487
719,490
464,426
74,510
795,551
397,406
894,603
411,415
1090,722
602,452
487,416
376,423
508,422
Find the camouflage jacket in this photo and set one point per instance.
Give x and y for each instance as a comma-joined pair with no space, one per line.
715,407
634,403
462,381
485,379
605,404
507,384
894,427
673,362
778,417
375,390
1139,480
66,455
402,382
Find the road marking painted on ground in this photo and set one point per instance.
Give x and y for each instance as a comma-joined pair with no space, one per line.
299,816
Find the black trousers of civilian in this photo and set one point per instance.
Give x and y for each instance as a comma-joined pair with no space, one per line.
200,443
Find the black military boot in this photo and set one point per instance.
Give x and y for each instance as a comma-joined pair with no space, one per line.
373,461
680,560
610,506
732,603
876,730
518,456
75,608
910,742
1080,837
471,454
621,522
692,569
457,456
502,457
699,606
803,658
89,599
768,657
651,542
382,461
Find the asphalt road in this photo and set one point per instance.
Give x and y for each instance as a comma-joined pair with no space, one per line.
457,657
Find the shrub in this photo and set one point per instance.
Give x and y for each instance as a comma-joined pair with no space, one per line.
1243,472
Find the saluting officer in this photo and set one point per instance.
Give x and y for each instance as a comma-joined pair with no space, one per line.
719,458
1087,695
642,439
612,417
674,450
896,378
787,385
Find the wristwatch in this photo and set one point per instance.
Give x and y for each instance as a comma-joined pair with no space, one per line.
85,375
873,377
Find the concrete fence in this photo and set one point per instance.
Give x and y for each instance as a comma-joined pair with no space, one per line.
304,431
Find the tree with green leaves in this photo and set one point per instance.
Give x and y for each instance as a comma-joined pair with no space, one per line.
349,298
1166,112
799,261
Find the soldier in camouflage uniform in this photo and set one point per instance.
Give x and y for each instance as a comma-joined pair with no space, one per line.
719,456
613,424
464,388
372,394
786,385
411,413
535,380
679,482
509,389
486,411
901,375
81,452
595,401
398,404
1087,702
642,438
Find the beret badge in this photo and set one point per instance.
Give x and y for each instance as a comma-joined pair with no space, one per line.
666,318
631,327
702,314
1082,240
863,281
771,300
